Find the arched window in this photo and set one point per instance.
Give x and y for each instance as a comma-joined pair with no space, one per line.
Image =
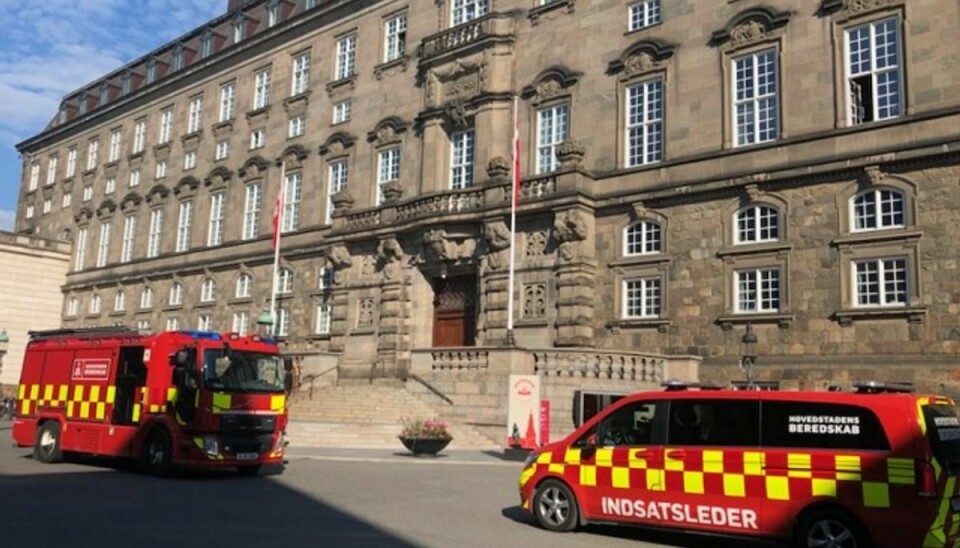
95,304
285,281
877,209
208,290
73,306
176,294
244,282
119,301
757,223
642,238
146,298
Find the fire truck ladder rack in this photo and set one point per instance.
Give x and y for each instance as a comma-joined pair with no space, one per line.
675,386
82,332
875,387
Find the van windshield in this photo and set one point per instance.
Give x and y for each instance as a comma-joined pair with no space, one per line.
943,431
239,371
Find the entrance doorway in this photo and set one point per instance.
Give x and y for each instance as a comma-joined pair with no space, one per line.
455,311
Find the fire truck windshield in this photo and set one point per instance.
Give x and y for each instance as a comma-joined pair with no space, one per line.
239,371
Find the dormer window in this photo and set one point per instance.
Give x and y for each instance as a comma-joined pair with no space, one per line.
239,28
83,103
127,83
273,13
151,71
206,44
177,58
104,93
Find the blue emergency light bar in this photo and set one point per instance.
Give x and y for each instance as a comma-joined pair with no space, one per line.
210,335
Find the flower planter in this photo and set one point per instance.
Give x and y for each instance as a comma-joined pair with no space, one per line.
425,446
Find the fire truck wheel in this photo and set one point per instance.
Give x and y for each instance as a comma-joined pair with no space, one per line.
46,448
555,506
830,527
248,470
156,453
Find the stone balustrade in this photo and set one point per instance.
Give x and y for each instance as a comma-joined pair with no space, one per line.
539,186
626,366
362,219
438,204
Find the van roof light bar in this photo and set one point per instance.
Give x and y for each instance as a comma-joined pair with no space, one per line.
877,387
678,385
82,332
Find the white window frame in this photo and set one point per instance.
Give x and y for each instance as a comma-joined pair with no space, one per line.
87,193
139,135
394,37
243,286
146,298
641,15
285,281
888,272
346,60
134,178
241,321
462,148
190,160
95,304
388,169
342,111
338,174
887,78
47,205
228,101
300,80
258,139
756,223
156,233
116,136
67,200
52,170
215,226
129,238
208,291
71,162
93,148
885,209
753,287
553,127
173,324
261,89
175,297
463,11
324,318
73,306
120,301
756,97
143,325
642,298
34,176
293,190
644,237
30,212
161,171
166,126
103,247
222,151
297,126
195,115
110,185
253,198
204,321
184,220
643,122
283,322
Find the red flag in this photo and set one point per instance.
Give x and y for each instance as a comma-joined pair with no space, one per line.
516,155
277,217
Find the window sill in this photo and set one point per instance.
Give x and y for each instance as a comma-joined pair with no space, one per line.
398,63
661,324
645,28
537,12
118,313
319,337
135,156
877,236
172,307
755,249
783,320
257,112
641,260
205,304
350,82
192,137
913,315
240,300
296,104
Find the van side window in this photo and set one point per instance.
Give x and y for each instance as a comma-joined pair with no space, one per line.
714,422
632,424
821,426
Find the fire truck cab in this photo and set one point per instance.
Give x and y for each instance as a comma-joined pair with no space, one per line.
177,398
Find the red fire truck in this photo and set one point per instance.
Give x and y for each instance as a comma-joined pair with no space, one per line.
177,398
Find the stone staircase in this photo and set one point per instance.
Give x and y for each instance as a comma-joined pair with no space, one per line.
367,416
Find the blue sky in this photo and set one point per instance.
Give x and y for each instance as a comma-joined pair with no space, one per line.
51,47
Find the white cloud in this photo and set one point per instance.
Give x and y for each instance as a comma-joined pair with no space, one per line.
6,219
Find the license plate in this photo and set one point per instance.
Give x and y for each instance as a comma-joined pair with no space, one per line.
247,456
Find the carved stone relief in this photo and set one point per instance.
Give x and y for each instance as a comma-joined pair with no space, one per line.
461,79
536,244
436,240
369,266
571,229
747,32
534,300
365,312
341,260
390,253
497,236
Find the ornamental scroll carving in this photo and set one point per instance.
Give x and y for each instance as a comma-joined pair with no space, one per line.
571,229
747,32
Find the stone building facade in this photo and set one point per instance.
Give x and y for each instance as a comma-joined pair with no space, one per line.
687,169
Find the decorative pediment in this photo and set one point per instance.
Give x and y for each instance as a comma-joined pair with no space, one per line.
387,132
750,26
849,8
130,201
642,57
83,215
293,155
462,78
552,82
157,194
106,207
186,187
254,168
218,177
337,144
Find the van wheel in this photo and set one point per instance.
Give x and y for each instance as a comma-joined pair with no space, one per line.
555,506
46,448
830,529
248,470
156,455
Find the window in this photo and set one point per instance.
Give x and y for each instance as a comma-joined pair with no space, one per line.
283,322
134,177
341,111
126,85
173,324
242,290
730,423
755,102
873,71
115,137
119,301
146,298
34,175
71,162
346,57
758,290
296,126
87,193
820,426
67,200
166,125
468,10
291,202
643,14
301,74
239,28
308,4
73,306
552,127
336,181
642,238
195,115
208,291
156,233
257,139
325,279
104,94
240,321
129,238
177,58
190,160
324,318
52,170
206,44
92,148
175,298
215,230
151,71
632,424
261,89
461,160
273,13
395,38
880,282
103,249
641,298
204,322
95,303
758,223
83,103
139,135
183,226
878,209
223,150
251,212
228,101
388,170
47,205
285,281
110,185
644,123
161,169
29,213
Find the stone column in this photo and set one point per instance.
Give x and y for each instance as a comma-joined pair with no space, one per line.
576,277
341,261
393,343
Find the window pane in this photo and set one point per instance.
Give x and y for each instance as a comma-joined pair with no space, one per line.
714,422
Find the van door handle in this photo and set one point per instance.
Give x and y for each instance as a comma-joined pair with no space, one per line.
677,454
644,454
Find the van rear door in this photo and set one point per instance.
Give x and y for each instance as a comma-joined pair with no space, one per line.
943,432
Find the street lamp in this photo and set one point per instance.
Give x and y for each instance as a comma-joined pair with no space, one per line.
749,354
265,323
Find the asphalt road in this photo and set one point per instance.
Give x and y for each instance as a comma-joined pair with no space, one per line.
324,500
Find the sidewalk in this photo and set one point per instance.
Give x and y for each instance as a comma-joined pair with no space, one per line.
401,456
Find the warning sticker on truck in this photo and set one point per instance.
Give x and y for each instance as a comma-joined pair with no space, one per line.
90,369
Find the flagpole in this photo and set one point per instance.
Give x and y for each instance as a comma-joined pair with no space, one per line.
276,247
514,191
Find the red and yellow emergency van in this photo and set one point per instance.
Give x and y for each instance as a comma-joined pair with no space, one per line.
177,398
875,467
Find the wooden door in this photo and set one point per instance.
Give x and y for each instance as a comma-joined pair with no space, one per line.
454,311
